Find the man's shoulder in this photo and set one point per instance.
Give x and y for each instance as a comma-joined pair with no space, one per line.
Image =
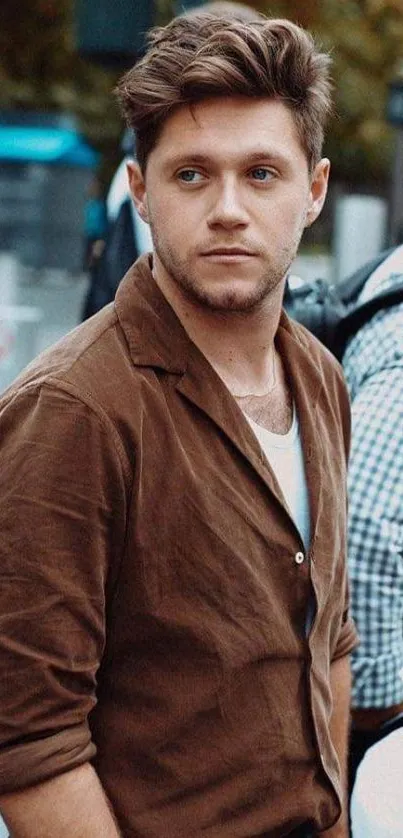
377,347
91,363
318,361
320,355
85,381
385,277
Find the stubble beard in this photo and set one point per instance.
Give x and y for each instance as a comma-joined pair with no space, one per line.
198,292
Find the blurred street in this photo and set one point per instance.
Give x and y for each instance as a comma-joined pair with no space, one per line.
42,306
59,296
36,309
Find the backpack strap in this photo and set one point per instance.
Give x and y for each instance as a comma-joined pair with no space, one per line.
352,322
348,289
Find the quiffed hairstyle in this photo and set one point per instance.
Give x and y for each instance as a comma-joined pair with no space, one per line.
225,8
202,56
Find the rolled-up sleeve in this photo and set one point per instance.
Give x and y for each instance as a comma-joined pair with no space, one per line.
348,638
62,513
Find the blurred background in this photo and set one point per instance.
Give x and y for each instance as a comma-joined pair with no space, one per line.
61,143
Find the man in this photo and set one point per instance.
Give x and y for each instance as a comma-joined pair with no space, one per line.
176,635
373,365
128,236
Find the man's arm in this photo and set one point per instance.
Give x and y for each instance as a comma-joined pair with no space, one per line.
72,805
375,542
62,514
340,684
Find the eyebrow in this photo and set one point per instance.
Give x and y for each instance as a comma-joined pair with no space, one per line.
256,156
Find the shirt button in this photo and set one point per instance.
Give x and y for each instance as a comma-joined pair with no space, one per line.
299,558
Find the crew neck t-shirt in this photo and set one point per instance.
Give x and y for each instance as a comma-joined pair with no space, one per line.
285,455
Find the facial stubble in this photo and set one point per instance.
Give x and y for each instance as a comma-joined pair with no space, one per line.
201,292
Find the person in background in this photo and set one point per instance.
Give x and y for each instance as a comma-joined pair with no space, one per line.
95,225
119,193
127,238
175,619
376,803
373,366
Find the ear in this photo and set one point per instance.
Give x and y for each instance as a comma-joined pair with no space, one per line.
137,189
318,190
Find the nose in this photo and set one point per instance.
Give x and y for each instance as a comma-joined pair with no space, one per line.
227,209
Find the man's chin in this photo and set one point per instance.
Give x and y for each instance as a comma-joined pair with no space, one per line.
228,301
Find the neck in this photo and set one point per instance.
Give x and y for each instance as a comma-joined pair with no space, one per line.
238,345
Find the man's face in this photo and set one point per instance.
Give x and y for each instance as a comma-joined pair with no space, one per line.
227,194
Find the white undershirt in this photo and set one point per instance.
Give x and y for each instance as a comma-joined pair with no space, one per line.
284,453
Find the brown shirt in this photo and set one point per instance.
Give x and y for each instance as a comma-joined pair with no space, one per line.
153,597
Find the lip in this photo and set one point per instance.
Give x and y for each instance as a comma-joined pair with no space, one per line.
227,251
228,254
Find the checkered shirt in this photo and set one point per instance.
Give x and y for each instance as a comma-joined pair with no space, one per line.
373,366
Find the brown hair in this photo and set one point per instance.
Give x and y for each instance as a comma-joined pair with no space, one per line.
202,56
225,8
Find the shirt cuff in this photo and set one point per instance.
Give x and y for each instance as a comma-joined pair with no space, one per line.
30,763
348,640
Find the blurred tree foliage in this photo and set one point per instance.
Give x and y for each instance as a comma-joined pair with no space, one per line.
365,38
40,69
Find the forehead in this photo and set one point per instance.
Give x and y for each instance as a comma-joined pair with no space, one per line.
230,128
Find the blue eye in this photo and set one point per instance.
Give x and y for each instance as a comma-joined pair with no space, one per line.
261,174
189,176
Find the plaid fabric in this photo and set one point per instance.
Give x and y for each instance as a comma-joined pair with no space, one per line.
373,366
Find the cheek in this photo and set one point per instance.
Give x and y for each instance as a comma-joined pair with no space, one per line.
291,216
173,230
176,220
